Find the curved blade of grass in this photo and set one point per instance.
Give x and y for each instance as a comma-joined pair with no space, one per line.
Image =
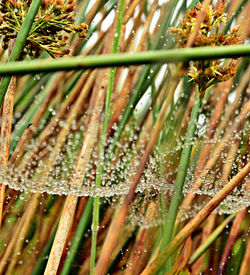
20,40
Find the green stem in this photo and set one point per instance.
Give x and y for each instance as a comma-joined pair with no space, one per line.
107,114
211,239
20,40
31,83
41,263
123,59
82,16
161,35
27,118
95,27
234,15
78,236
182,172
146,75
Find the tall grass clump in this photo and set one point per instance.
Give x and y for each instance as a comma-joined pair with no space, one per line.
124,137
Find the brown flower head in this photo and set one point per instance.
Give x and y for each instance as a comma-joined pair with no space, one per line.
207,72
51,29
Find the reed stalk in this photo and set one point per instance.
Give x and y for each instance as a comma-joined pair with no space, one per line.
102,141
124,59
182,172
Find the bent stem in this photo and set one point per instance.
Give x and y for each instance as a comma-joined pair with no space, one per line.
182,172
101,149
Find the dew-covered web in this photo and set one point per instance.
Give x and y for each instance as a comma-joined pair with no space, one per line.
44,171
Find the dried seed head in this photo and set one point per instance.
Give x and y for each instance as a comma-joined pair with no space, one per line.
57,17
206,73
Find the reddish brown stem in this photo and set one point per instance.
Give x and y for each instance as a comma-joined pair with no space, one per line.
231,240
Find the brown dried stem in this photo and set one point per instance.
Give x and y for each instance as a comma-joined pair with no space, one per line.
6,124
89,141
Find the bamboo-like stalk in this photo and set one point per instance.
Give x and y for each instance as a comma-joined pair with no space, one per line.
70,204
102,141
196,221
89,141
60,238
76,242
124,59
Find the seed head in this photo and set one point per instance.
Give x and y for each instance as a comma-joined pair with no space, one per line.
54,20
207,72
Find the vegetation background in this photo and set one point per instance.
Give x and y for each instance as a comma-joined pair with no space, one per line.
120,154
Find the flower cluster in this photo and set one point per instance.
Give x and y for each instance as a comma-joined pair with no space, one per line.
51,29
207,72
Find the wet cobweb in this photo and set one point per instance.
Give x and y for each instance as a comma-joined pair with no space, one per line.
47,168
